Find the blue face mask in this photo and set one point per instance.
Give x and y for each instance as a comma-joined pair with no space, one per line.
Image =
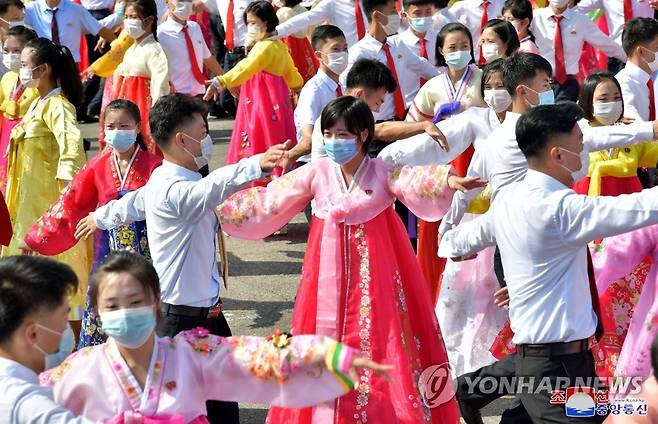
545,97
120,140
341,151
458,60
421,25
129,327
66,344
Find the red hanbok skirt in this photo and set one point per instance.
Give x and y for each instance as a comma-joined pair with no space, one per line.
303,55
5,132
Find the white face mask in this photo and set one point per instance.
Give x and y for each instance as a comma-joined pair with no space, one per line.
13,23
498,100
12,61
66,345
206,151
134,27
183,9
26,77
652,65
558,4
608,113
393,25
490,52
253,31
337,62
581,172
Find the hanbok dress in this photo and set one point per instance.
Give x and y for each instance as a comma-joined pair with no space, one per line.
15,99
361,282
298,44
265,115
45,152
195,366
97,183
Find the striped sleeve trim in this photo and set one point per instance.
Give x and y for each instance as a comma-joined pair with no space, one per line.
338,360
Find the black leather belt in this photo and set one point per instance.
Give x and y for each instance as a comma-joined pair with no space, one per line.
553,349
191,311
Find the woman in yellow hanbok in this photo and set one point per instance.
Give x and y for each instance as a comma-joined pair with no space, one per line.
46,150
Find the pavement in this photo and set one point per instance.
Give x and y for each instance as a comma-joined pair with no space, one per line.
263,276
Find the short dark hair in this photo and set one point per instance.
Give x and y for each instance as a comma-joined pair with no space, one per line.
28,285
586,99
23,33
131,109
5,4
324,33
264,11
441,37
354,112
440,4
407,3
291,3
119,261
521,67
638,31
370,74
170,113
370,6
488,69
539,125
520,9
506,33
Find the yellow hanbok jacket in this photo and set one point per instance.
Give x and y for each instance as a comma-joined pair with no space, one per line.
15,109
621,162
108,63
45,152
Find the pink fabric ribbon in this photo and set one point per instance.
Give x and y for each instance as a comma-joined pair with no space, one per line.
130,417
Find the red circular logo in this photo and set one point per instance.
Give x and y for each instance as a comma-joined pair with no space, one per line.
435,385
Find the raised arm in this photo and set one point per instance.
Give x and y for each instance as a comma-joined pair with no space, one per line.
611,136
108,63
468,238
130,208
256,61
323,11
605,43
423,189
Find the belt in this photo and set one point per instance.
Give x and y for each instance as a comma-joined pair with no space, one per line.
237,50
192,311
553,349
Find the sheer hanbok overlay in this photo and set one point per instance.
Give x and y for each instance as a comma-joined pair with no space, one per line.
361,282
195,366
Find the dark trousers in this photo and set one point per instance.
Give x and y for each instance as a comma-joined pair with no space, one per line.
93,89
568,91
170,325
226,101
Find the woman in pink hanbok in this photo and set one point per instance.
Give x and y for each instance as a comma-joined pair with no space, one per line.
361,283
138,376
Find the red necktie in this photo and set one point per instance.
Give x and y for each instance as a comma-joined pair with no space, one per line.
198,75
54,28
560,68
483,23
423,53
652,101
628,10
230,27
360,26
339,91
398,101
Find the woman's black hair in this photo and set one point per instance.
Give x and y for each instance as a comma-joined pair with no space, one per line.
264,11
146,9
63,68
354,112
507,34
291,3
520,9
120,261
586,98
25,34
440,39
131,109
488,69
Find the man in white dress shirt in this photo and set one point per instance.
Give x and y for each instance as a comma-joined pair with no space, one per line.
542,228
33,318
179,208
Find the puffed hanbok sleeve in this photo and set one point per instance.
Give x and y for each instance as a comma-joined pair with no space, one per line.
258,59
293,78
648,155
105,66
60,117
284,371
255,213
423,189
158,67
53,233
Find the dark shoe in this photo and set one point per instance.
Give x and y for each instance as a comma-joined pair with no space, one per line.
469,415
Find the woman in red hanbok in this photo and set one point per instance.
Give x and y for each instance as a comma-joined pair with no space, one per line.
298,44
125,165
361,282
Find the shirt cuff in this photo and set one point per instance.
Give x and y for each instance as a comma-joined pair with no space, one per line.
253,167
98,220
644,130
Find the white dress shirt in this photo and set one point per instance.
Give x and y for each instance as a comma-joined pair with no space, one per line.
172,40
413,43
317,142
178,206
24,401
469,13
634,90
315,95
576,28
442,18
613,10
220,7
97,4
335,12
542,229
408,66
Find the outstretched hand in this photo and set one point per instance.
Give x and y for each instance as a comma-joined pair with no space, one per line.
86,227
361,362
464,184
274,156
433,131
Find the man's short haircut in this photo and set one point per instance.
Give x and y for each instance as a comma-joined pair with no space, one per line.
324,33
370,6
370,74
170,113
30,285
5,4
408,3
539,125
638,31
520,68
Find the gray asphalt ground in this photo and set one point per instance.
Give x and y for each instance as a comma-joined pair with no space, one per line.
264,276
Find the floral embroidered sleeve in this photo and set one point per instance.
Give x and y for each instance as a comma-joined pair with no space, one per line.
279,370
423,189
257,212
